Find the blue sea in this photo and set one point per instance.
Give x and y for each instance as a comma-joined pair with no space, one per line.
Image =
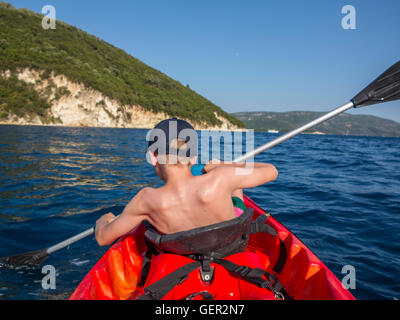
339,194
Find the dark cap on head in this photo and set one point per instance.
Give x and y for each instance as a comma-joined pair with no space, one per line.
163,134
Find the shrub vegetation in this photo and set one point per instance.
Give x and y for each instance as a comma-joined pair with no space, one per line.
86,59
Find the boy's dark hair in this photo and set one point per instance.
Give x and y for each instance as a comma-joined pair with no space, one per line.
174,137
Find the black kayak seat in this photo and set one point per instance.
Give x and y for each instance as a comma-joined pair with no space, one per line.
218,240
209,244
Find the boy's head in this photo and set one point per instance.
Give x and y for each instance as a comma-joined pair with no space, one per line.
172,142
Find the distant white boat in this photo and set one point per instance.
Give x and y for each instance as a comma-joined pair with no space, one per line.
273,131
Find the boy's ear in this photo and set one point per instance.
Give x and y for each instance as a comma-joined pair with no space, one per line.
193,160
153,158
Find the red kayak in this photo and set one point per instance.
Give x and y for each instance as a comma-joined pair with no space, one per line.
301,274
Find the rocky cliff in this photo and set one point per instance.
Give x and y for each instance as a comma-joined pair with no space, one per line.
69,77
74,104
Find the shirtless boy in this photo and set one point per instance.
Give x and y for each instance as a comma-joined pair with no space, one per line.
185,201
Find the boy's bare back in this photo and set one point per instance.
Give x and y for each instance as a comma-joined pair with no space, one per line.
198,201
186,202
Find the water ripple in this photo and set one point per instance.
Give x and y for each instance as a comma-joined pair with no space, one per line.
339,195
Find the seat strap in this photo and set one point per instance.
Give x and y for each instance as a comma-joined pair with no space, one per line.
204,294
160,288
145,267
280,263
254,276
146,264
258,225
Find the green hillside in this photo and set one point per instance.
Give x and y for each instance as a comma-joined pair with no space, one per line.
86,59
343,124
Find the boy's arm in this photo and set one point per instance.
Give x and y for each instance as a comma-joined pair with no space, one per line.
215,163
243,175
108,228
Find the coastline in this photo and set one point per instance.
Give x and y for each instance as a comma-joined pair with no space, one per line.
2,123
202,129
82,106
315,132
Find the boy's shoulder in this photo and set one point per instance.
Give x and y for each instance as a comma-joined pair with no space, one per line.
150,194
147,191
145,197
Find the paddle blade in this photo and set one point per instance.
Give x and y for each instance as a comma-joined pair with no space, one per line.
385,88
32,258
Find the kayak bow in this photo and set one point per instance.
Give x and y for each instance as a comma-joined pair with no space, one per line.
117,274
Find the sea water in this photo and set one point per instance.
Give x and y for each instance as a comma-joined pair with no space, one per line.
339,194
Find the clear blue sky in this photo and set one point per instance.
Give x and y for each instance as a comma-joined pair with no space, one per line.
247,55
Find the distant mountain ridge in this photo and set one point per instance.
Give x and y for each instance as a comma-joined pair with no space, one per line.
343,124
